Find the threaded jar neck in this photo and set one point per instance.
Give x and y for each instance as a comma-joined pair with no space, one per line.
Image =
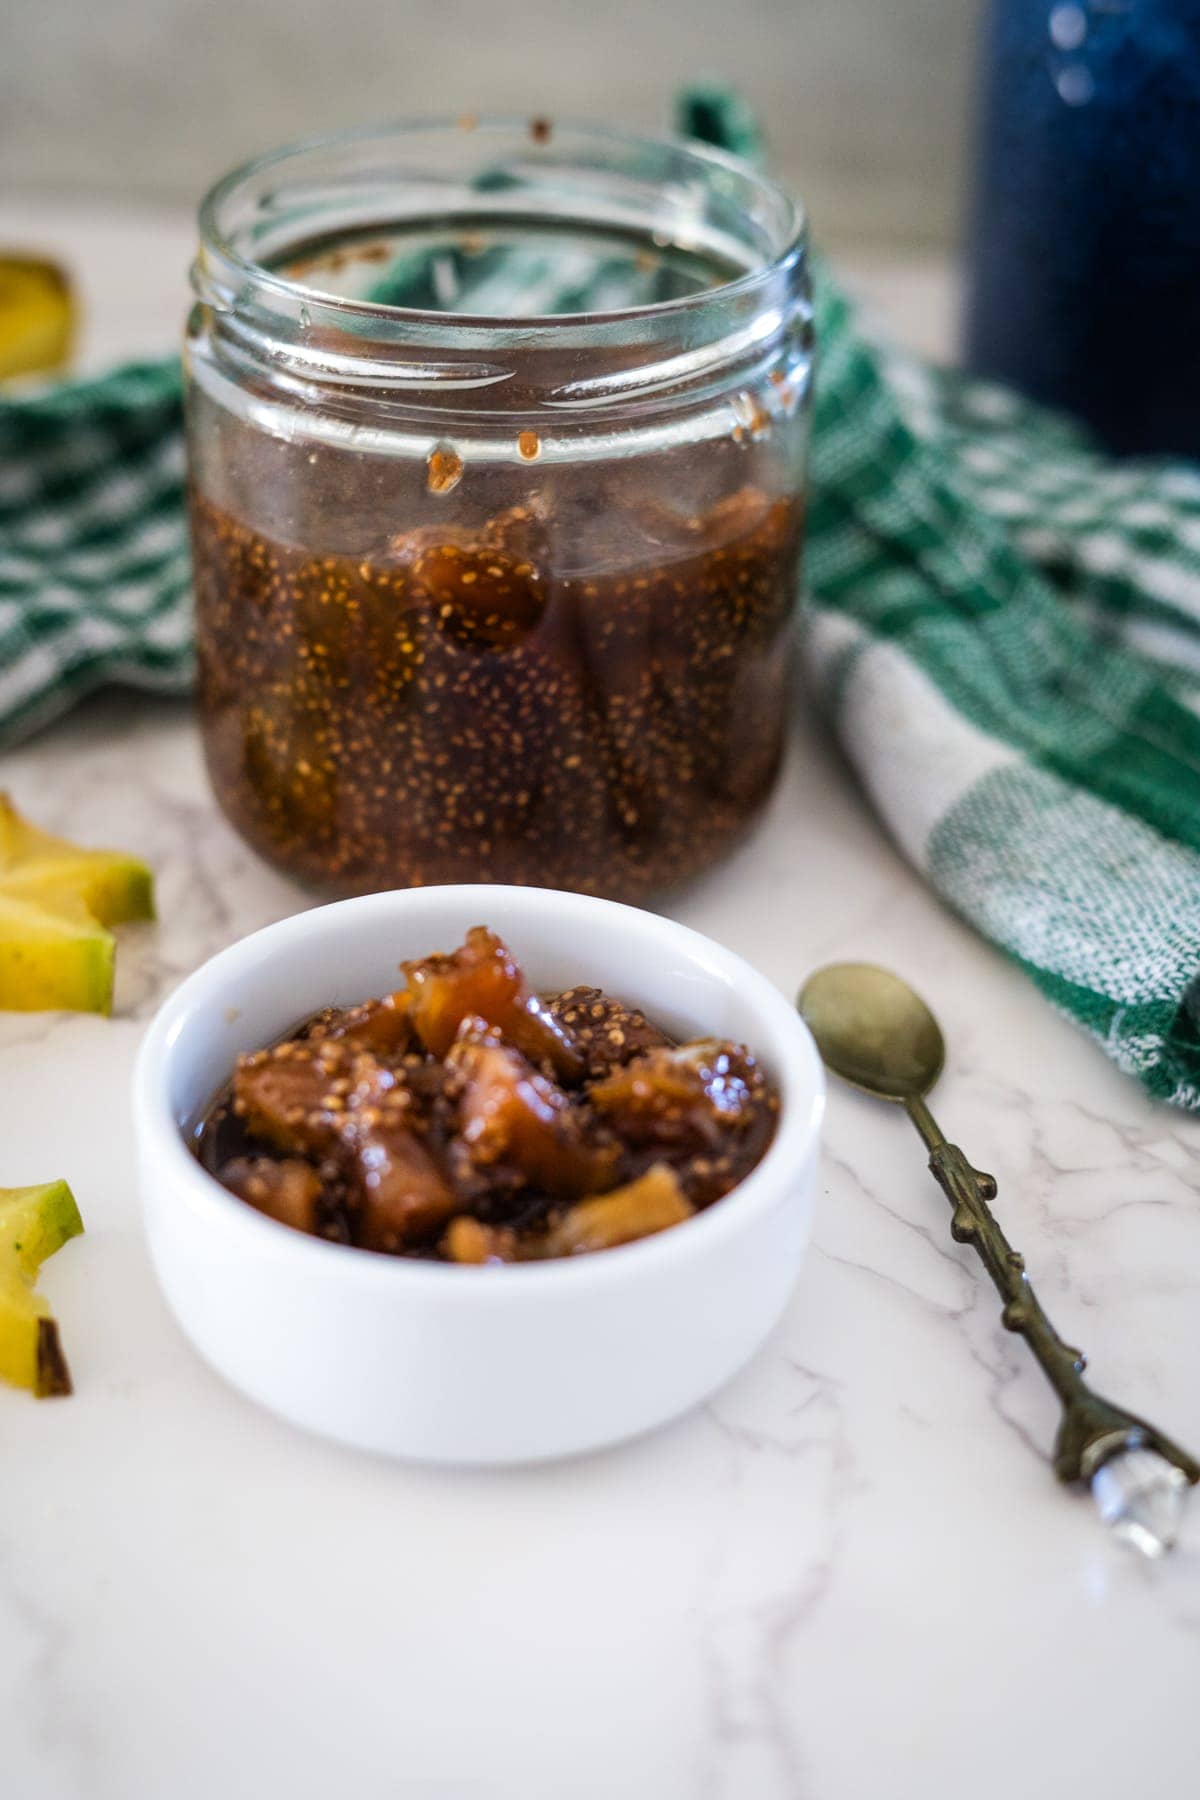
499,268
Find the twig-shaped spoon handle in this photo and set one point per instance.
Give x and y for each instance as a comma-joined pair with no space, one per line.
877,1034
1092,1429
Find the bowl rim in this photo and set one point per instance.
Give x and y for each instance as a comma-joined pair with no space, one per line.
161,1142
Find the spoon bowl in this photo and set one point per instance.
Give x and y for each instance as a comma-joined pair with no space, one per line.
873,1030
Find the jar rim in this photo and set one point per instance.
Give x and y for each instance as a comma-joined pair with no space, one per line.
235,269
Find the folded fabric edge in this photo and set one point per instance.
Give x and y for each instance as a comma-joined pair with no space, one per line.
1098,907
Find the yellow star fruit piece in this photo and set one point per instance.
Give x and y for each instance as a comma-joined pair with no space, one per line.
34,1223
37,316
56,904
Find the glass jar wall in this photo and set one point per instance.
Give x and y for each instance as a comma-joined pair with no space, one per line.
496,443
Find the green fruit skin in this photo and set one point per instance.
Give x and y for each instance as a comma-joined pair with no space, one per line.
34,1223
37,1221
39,978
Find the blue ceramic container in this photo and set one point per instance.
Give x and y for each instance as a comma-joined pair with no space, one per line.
1084,251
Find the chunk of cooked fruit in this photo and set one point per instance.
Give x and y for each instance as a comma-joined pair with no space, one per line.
481,598
688,1095
468,1240
285,1189
382,1026
327,1099
34,1223
652,1203
482,980
402,1193
509,1112
606,1032
294,1095
707,1107
55,902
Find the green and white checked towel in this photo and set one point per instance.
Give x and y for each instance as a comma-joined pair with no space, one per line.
95,574
1006,632
1003,624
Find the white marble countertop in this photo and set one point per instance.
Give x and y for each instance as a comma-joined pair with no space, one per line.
851,1575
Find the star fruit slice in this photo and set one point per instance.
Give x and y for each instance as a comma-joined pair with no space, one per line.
37,316
56,902
34,1223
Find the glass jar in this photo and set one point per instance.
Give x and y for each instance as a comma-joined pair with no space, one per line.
496,438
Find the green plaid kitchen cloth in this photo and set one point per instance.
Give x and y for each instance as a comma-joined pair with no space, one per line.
1003,624
95,574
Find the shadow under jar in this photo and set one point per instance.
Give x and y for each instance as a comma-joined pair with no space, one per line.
496,440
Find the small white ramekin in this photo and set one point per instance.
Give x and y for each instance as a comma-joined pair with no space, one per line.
465,1364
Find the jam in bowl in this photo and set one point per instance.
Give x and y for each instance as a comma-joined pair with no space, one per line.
421,1345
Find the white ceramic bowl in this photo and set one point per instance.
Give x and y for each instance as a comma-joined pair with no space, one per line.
466,1364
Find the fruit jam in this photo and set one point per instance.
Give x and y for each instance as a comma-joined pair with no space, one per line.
504,702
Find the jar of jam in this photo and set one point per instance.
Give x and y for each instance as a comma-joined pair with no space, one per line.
496,440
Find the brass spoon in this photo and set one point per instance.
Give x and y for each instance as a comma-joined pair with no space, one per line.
876,1033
